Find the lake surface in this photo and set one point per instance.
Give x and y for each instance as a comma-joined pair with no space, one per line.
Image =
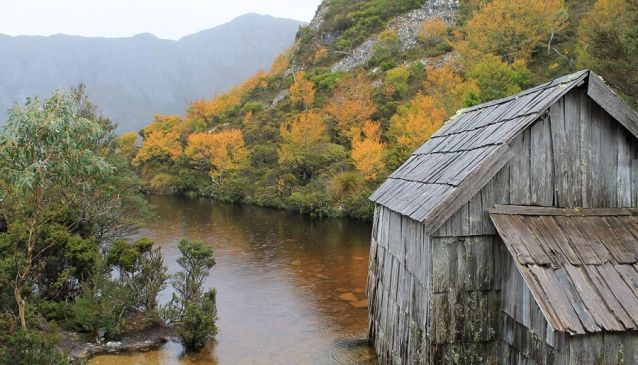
278,278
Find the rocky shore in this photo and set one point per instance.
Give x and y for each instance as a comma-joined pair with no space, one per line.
79,350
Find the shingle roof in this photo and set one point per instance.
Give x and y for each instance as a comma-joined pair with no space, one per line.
581,265
457,161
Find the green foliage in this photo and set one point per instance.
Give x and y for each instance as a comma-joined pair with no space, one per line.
608,44
193,310
497,79
65,192
385,50
324,80
356,20
310,200
397,81
141,272
46,149
358,206
101,305
346,184
30,347
199,322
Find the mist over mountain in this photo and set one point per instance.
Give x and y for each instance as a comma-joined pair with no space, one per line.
131,79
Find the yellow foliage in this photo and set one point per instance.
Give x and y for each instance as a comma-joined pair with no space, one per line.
162,139
396,81
367,150
127,143
351,104
223,151
302,90
512,29
320,54
447,87
279,65
300,134
206,110
416,122
433,31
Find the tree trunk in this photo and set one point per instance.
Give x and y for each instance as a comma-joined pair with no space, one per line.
21,306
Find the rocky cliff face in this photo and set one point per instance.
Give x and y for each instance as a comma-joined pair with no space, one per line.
406,26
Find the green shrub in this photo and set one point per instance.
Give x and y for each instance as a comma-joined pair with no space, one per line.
198,322
358,206
193,310
30,347
311,201
385,50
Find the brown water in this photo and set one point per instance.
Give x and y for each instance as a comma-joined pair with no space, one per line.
278,278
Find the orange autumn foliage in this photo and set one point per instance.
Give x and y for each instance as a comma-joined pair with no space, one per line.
351,104
206,110
448,87
221,151
279,65
511,29
433,31
320,54
162,140
302,90
367,150
416,122
300,136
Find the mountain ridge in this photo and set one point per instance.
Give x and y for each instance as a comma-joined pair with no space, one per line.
133,78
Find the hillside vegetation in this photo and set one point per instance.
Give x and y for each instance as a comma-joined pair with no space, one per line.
366,83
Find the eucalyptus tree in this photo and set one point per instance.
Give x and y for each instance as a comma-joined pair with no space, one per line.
49,162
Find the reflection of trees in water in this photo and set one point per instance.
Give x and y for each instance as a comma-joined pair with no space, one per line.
323,255
317,259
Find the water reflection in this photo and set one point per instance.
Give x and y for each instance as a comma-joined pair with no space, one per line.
278,277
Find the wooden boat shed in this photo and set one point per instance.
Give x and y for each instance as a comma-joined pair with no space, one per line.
511,235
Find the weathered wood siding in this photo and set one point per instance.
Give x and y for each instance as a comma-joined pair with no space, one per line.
445,297
577,156
465,303
398,287
526,337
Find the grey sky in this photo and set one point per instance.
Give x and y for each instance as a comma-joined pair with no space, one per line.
170,19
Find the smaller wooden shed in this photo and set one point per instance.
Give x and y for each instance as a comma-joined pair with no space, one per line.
511,236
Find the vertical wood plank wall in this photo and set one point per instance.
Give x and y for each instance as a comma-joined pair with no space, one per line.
398,287
455,294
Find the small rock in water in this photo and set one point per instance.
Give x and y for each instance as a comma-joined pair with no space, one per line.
348,297
296,263
113,344
359,291
360,303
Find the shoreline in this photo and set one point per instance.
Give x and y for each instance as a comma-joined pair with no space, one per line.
79,351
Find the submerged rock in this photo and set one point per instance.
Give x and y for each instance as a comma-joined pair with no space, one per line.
360,303
348,297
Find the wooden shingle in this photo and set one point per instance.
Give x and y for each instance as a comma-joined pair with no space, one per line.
580,264
465,154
